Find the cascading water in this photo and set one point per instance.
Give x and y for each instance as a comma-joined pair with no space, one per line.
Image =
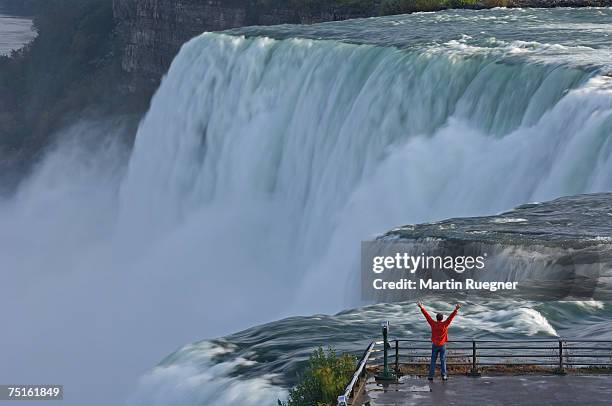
304,137
263,162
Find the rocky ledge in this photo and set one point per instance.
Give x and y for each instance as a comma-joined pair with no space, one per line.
567,240
568,222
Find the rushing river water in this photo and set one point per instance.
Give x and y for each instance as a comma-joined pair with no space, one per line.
15,32
267,155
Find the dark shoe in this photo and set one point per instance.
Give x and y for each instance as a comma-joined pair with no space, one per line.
444,378
429,378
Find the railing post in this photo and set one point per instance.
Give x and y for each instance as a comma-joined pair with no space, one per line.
474,372
397,357
560,370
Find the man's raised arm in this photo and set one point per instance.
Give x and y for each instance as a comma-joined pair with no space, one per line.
452,315
427,316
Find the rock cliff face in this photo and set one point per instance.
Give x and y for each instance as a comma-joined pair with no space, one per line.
150,32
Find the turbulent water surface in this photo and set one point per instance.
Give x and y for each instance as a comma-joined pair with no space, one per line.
15,32
253,366
267,155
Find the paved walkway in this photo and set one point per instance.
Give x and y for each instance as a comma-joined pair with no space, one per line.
496,390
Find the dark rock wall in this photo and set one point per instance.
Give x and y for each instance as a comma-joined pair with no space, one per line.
152,31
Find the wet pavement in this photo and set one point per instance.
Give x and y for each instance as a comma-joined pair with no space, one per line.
495,390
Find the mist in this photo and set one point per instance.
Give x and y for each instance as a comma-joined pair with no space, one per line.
92,309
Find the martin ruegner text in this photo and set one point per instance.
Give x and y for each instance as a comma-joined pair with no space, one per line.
449,284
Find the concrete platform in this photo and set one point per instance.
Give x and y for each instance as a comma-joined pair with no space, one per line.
495,390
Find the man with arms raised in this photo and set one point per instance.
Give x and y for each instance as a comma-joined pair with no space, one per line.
439,336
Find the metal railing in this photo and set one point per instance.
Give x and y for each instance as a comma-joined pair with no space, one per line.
558,354
359,372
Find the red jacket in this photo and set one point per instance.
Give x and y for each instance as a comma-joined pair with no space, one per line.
439,329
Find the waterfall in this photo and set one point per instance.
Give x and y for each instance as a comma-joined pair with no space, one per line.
292,151
258,169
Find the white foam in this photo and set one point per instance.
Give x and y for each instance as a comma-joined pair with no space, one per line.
509,220
520,320
589,304
194,379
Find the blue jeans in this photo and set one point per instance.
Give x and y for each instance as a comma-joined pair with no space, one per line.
435,350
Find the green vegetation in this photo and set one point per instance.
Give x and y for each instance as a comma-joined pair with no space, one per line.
496,3
408,6
369,6
380,7
324,379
